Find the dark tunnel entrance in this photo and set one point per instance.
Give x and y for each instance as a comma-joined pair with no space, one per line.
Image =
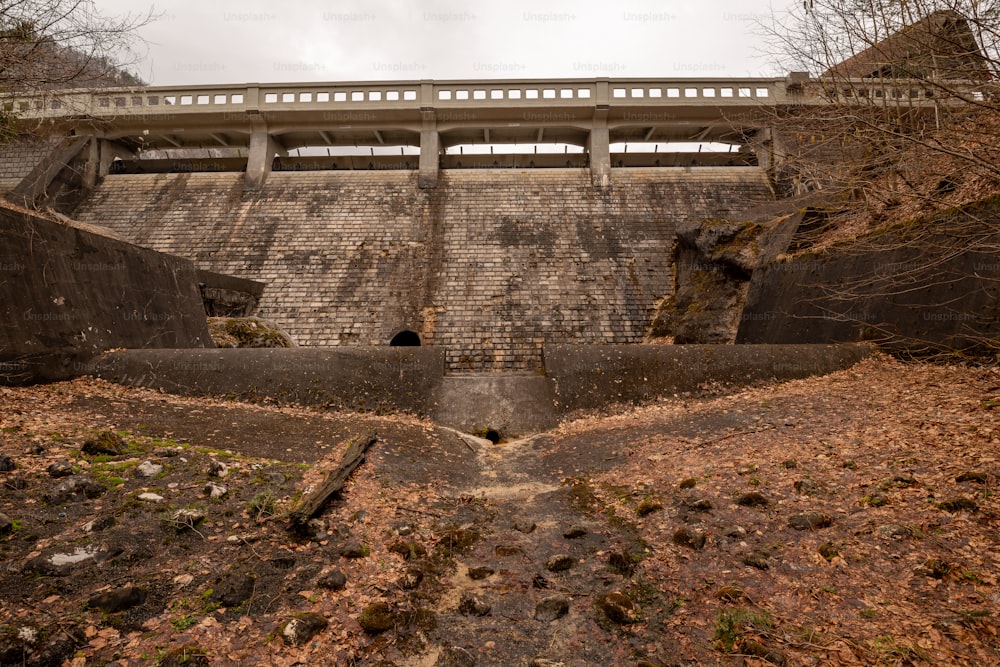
405,338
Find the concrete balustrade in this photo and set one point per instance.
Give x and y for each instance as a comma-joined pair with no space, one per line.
437,114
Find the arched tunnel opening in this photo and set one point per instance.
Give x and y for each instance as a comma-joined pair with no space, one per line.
405,338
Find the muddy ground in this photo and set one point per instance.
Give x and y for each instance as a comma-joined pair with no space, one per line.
849,519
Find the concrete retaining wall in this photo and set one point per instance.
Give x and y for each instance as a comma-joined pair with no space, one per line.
413,379
924,287
490,265
364,379
67,294
593,376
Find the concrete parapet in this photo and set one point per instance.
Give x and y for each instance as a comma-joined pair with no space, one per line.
363,379
511,404
594,376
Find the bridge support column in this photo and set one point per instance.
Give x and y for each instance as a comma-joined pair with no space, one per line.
263,148
430,147
599,147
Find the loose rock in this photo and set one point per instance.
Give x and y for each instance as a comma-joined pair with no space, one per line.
617,608
186,519
408,550
377,618
735,532
148,469
150,497
975,476
185,656
301,628
829,551
234,589
60,469
472,605
958,505
551,608
218,469
106,442
478,573
333,580
622,562
98,524
757,559
525,527
647,506
15,483
688,483
215,491
411,579
690,538
353,550
574,532
6,524
455,656
807,487
74,489
560,563
810,521
6,463
752,499
117,600
891,530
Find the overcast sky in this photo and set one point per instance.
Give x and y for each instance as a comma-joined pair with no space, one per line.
242,41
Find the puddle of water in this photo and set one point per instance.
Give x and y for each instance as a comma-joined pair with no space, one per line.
78,556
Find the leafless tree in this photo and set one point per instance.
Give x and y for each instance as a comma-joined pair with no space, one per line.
48,44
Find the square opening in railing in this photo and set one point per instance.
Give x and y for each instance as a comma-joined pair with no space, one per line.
357,96
375,96
287,97
690,92
56,104
725,92
531,94
203,99
409,95
187,100
566,93
762,92
744,92
583,93
322,97
237,98
119,102
444,94
655,92
103,102
673,92
496,94
392,95
549,93
638,92
514,94
479,94
340,97
153,101
137,101
708,92
618,92
461,94
270,98
219,99
305,97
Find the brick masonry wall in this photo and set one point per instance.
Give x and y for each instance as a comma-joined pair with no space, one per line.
490,265
17,159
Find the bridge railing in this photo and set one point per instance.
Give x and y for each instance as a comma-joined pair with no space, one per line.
413,96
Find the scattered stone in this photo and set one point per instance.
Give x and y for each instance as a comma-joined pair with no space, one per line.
479,573
299,629
353,550
218,469
404,530
6,463
525,527
975,476
560,563
891,530
935,568
333,580
150,497
275,478
622,562
730,594
752,499
690,538
697,504
6,524
806,487
411,579
757,559
758,650
790,464
829,551
543,662
168,452
647,506
215,491
15,483
505,550
472,605
876,499
118,600
617,608
148,469
74,489
105,442
60,469
234,589
905,480
748,469
408,550
185,656
849,465
539,582
551,608
810,521
99,524
735,532
574,532
186,519
457,540
688,483
377,618
958,505
455,656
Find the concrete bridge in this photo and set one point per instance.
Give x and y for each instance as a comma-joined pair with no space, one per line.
266,121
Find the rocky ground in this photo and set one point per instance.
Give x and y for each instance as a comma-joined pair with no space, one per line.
849,519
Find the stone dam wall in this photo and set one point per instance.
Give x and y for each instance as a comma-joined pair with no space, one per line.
490,265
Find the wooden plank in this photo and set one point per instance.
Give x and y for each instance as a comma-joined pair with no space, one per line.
312,504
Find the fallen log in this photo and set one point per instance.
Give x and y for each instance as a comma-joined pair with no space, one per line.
312,504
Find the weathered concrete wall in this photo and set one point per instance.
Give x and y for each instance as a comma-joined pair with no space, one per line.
920,288
490,265
67,294
593,376
365,379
